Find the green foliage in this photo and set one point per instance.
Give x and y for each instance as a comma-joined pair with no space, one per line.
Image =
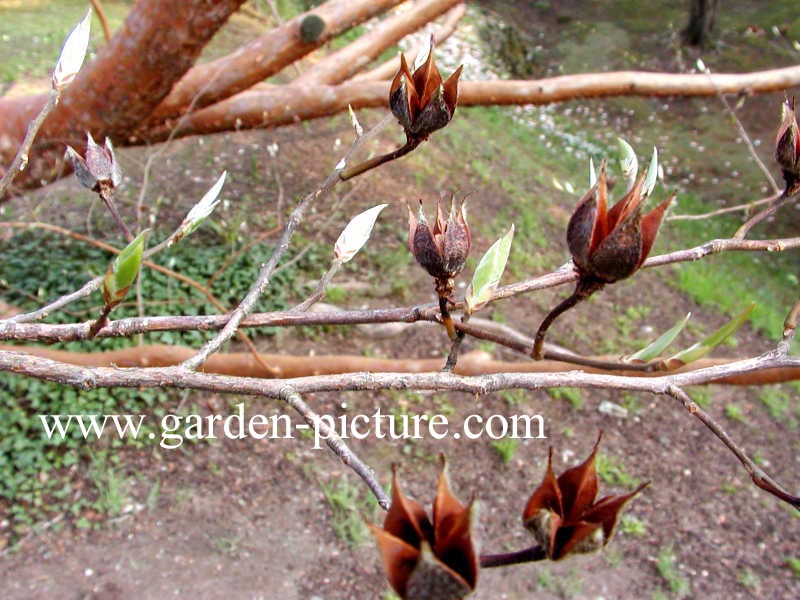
572,395
794,564
667,567
612,471
35,480
505,448
488,272
735,413
782,405
749,579
348,505
632,526
123,271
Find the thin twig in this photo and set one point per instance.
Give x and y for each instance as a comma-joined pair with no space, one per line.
319,293
759,477
379,160
744,135
787,196
532,554
455,347
101,16
789,329
722,211
21,159
106,194
262,280
336,443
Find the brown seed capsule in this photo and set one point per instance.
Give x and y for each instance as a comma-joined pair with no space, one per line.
442,249
787,145
428,559
562,513
420,100
610,245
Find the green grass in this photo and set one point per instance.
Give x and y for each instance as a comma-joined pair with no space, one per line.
612,471
781,404
37,476
505,448
667,567
793,562
633,526
31,34
572,395
348,504
724,284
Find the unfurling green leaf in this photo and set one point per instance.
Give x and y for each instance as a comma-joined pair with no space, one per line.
700,349
656,347
628,163
488,273
123,270
652,175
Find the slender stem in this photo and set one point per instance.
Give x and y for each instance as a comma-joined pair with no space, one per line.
321,287
758,476
267,270
21,159
107,195
721,211
446,318
532,554
101,15
785,197
789,329
585,288
379,160
455,347
335,443
100,322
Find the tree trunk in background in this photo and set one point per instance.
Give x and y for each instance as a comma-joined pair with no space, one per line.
701,21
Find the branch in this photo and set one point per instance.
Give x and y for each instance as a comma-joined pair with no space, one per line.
89,378
759,477
282,105
265,56
348,61
21,158
388,69
721,211
335,443
245,307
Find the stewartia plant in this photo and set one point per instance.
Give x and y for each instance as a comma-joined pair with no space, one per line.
787,146
420,100
422,103
441,250
562,513
607,245
429,558
98,168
